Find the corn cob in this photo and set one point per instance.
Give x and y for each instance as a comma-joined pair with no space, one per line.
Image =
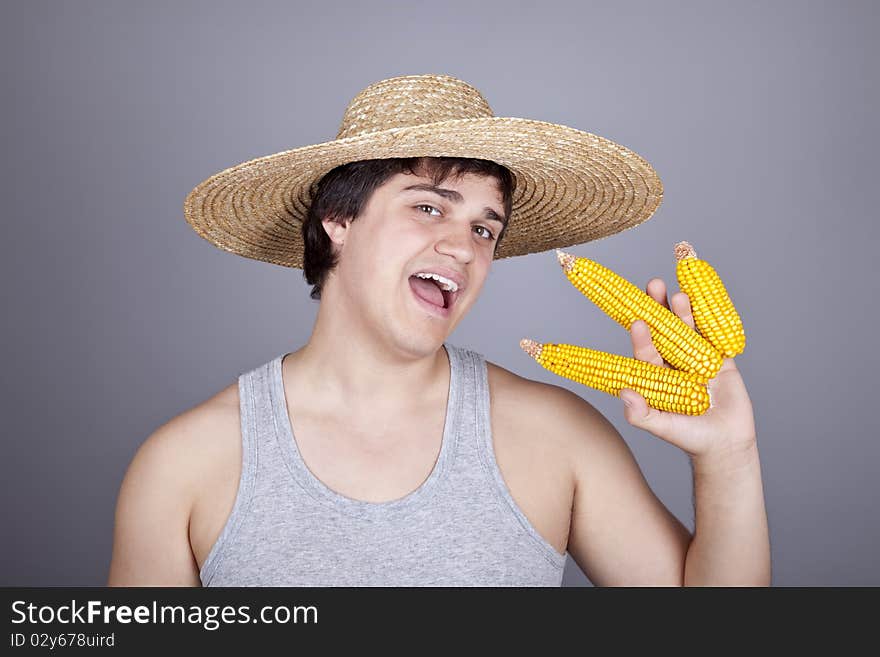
663,388
676,342
714,314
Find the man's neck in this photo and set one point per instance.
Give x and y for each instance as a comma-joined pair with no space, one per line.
364,377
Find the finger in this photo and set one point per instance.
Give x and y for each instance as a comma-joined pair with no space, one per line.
656,289
643,345
662,424
681,306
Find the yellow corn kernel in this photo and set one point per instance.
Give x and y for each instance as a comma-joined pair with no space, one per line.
664,388
676,342
714,314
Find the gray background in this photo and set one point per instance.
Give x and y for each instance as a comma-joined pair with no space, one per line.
759,118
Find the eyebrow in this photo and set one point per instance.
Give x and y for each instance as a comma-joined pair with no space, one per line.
455,197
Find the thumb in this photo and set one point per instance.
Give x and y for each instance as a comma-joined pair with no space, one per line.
636,410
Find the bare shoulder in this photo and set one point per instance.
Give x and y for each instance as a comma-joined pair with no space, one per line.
588,440
180,450
562,415
577,433
199,436
151,544
541,424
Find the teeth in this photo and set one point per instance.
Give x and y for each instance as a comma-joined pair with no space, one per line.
445,283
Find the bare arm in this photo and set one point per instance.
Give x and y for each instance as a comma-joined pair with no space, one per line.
151,537
732,543
621,533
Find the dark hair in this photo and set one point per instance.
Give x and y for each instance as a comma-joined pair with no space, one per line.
344,191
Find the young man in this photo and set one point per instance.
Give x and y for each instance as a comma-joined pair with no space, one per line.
380,454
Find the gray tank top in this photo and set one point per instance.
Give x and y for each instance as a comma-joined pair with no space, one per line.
460,527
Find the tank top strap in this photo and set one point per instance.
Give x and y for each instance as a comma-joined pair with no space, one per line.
250,386
482,438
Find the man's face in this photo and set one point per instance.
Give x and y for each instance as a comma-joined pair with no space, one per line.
404,230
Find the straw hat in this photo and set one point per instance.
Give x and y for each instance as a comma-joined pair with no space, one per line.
571,186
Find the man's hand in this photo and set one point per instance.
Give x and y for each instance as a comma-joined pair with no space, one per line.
725,429
711,420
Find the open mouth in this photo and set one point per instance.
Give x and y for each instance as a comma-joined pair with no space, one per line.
430,291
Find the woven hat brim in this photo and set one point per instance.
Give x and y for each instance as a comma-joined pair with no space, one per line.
572,186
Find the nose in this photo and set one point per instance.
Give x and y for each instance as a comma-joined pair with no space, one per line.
457,242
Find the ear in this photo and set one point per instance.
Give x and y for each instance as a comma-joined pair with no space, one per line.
336,230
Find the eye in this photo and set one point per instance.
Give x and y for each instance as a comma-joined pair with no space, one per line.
488,232
489,235
419,207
